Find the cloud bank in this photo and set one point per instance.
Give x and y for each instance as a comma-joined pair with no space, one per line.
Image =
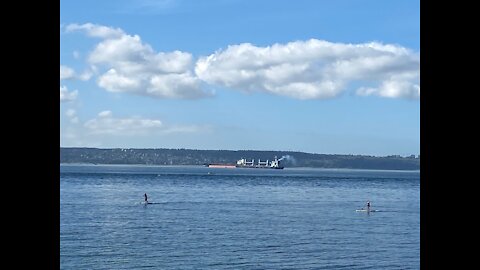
312,69
106,123
106,128
132,66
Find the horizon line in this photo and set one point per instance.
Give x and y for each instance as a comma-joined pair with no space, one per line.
286,151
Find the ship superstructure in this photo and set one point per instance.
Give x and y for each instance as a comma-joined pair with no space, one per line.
244,163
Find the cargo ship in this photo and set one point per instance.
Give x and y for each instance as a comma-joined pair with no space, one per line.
244,163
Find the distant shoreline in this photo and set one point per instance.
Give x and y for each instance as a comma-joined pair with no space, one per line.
288,159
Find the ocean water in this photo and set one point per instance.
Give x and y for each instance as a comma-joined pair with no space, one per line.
207,218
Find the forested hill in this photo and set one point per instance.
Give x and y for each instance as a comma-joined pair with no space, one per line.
201,157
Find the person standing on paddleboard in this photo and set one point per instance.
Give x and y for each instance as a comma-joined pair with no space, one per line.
368,205
146,198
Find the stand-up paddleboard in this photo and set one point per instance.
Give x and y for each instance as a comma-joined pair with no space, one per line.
365,210
145,203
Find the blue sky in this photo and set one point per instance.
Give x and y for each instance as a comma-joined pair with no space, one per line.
335,77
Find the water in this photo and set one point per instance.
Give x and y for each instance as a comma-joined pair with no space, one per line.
206,218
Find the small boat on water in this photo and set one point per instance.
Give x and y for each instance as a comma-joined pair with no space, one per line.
365,210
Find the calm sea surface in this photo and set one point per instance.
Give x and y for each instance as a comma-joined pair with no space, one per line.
207,218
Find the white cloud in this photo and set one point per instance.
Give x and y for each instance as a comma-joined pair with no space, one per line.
393,89
313,69
86,75
132,66
67,73
107,124
115,82
105,114
107,130
95,30
72,115
70,112
175,85
66,95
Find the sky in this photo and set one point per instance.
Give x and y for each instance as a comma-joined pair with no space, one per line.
327,77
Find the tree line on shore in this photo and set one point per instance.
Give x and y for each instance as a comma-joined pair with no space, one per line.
201,157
